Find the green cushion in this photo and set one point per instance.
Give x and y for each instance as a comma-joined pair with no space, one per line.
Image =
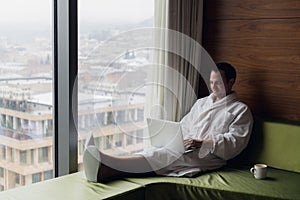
227,183
75,187
275,144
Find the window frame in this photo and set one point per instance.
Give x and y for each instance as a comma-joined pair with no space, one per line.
65,61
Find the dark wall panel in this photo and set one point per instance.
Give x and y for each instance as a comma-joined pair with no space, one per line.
252,9
262,40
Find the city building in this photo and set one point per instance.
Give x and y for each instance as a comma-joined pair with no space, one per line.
26,133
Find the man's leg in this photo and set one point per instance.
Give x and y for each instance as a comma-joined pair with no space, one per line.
100,167
120,167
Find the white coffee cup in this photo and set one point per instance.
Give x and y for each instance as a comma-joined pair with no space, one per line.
259,171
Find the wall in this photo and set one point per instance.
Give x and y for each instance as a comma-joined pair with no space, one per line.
261,38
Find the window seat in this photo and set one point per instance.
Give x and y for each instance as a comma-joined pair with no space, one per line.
272,143
75,187
227,183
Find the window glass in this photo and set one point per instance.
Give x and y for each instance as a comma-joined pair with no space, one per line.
32,156
1,172
43,154
23,157
112,73
17,179
26,106
48,174
36,177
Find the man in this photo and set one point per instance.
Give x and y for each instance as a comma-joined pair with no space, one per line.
218,128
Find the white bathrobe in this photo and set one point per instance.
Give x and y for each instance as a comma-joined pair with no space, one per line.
226,123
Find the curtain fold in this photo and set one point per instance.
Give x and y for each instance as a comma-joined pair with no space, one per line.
176,59
156,74
186,18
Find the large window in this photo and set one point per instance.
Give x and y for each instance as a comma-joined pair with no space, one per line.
112,73
26,107
35,61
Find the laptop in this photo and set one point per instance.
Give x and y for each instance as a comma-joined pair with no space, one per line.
166,134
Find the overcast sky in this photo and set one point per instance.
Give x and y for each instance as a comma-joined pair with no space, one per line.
106,11
28,19
24,11
33,12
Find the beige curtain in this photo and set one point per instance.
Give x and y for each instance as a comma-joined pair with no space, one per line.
186,18
156,73
177,56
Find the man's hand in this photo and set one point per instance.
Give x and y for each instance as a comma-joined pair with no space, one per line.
192,143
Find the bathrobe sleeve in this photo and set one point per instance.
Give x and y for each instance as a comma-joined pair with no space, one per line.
186,122
234,136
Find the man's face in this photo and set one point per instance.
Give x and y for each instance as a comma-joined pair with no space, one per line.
219,85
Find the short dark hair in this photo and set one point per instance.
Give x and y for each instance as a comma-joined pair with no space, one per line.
228,70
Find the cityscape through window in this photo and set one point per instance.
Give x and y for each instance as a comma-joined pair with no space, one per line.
111,83
112,73
26,108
